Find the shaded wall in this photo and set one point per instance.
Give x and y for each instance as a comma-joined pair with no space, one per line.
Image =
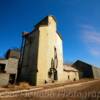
85,70
29,61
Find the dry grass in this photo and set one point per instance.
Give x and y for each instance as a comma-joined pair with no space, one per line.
23,85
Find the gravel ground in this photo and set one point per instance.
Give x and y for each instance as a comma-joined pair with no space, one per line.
89,90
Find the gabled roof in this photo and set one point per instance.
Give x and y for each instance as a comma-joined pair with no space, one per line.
69,68
44,21
81,62
84,63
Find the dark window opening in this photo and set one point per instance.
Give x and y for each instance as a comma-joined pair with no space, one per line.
45,82
55,58
74,79
2,68
12,78
49,74
55,75
68,77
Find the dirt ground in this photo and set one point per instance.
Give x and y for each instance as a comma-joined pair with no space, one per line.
83,90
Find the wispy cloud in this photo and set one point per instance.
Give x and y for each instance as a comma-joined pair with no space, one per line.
92,39
95,52
88,27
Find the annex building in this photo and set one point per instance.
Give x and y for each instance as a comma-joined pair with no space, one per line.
8,67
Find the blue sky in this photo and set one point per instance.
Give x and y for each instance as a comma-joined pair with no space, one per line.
78,21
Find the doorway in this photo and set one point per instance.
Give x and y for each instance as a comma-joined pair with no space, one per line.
12,78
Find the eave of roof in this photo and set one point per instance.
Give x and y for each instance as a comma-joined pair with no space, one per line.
69,68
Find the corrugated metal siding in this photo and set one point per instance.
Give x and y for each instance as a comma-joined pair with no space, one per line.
96,72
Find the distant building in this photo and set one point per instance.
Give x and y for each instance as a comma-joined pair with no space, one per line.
8,71
86,70
13,53
8,67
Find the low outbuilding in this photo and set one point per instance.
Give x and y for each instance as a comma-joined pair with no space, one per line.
70,73
86,70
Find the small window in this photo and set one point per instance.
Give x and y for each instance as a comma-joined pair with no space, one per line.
55,57
2,68
68,77
74,79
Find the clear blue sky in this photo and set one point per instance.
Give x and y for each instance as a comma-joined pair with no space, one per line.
78,21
